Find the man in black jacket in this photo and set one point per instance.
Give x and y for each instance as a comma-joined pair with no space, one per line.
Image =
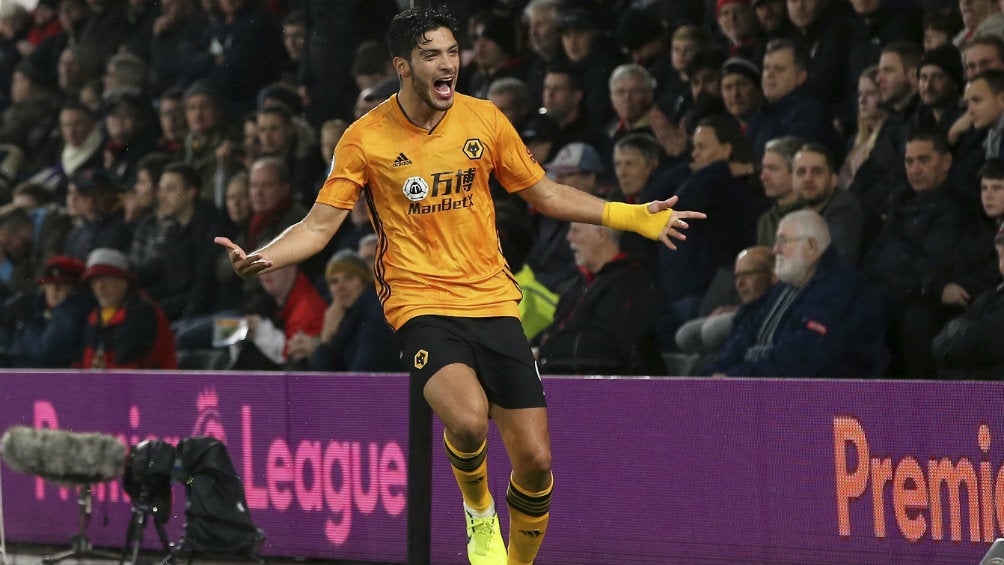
916,244
603,321
969,345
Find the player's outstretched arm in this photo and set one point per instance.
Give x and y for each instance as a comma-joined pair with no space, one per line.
298,242
655,220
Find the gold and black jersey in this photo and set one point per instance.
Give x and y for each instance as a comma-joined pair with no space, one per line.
438,250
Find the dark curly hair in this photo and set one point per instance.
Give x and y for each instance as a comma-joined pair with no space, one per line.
407,30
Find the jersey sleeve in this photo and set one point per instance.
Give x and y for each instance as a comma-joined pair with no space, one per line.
515,167
347,175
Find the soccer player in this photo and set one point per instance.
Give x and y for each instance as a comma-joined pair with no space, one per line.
422,160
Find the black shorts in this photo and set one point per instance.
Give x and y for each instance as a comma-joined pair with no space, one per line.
495,348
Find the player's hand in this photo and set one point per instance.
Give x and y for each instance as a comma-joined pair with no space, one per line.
246,266
677,221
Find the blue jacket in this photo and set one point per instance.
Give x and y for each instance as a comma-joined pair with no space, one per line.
794,114
364,341
53,338
833,329
732,208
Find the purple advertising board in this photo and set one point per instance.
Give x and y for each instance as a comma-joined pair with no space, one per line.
647,471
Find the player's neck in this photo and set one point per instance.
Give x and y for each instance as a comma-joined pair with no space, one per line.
418,111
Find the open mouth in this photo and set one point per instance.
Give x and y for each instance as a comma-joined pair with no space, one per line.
443,87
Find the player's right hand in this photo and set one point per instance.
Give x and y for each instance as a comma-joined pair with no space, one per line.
246,266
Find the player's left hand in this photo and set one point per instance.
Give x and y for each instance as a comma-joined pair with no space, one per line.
677,220
246,266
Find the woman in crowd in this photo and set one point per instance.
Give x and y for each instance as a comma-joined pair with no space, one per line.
870,119
355,336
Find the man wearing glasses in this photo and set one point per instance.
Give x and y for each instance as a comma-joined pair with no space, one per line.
820,320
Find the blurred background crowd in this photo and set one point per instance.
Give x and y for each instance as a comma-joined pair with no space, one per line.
847,152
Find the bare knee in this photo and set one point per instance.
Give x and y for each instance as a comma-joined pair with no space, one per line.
456,396
532,468
467,429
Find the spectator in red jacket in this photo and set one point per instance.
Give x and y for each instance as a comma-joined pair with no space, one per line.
288,304
127,330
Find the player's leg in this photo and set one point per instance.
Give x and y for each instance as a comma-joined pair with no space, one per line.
527,440
456,396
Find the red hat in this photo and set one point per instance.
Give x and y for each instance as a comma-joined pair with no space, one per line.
718,6
107,262
61,269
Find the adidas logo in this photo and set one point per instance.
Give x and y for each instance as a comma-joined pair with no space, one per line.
532,533
401,160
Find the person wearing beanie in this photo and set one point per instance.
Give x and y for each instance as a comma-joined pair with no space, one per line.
497,54
939,83
126,330
44,329
741,91
355,337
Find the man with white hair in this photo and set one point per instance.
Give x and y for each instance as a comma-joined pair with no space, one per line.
820,320
632,94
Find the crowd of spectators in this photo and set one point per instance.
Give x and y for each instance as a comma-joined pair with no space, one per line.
132,131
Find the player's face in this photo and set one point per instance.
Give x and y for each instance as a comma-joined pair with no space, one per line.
432,71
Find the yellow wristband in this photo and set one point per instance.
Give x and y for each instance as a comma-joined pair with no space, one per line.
636,218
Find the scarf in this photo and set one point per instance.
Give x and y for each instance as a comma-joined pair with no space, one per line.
73,157
259,222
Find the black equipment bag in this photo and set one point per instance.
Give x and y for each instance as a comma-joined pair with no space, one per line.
216,512
147,476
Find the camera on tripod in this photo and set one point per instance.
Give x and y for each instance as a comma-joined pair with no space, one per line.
149,468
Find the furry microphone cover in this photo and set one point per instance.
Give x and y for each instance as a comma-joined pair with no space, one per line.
66,458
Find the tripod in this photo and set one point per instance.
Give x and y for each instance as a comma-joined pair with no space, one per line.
80,544
142,511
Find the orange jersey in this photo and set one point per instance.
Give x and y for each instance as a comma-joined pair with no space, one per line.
430,204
